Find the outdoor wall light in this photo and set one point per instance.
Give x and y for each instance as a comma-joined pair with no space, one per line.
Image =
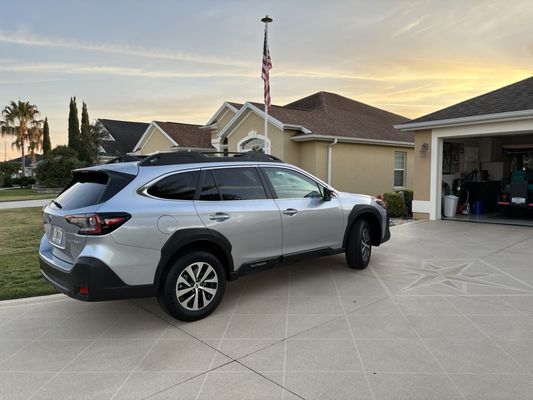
424,149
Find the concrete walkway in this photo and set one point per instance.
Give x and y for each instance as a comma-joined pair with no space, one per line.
5,205
444,311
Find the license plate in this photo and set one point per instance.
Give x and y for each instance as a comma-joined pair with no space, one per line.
57,235
518,200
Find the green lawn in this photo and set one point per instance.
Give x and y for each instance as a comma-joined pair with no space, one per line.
23,194
20,234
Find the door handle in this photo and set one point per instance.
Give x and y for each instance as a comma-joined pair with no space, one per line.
219,217
290,211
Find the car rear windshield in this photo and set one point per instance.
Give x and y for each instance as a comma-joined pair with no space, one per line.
88,188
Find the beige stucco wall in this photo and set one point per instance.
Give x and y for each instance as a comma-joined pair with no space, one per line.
252,122
422,177
156,142
367,169
224,119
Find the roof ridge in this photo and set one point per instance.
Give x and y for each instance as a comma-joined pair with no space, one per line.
177,123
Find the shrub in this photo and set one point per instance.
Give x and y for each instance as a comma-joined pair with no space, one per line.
25,181
55,170
6,170
408,199
395,204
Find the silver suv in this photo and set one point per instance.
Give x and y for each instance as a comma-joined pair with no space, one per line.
178,225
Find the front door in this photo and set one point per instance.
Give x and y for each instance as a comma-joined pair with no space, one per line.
233,202
309,222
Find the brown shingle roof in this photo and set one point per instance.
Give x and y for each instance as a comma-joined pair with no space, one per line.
236,105
330,114
187,135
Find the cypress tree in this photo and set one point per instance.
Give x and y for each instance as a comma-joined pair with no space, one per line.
47,146
85,149
73,126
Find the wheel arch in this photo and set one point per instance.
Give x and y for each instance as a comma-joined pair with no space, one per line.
372,216
187,240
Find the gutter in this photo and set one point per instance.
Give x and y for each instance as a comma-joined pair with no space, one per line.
330,156
470,120
345,139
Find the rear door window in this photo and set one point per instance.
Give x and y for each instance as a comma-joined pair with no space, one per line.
176,187
232,184
209,191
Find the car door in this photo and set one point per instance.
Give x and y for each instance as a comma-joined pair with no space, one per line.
234,202
309,222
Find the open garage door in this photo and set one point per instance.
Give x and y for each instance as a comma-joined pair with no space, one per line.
488,179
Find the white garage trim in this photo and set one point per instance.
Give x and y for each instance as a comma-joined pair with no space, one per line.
500,128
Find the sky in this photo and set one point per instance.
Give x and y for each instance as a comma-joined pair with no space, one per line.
180,60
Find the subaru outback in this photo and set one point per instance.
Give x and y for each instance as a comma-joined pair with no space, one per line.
179,225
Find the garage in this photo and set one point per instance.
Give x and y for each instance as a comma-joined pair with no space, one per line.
474,160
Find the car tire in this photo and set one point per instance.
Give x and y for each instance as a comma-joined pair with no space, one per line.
359,245
193,286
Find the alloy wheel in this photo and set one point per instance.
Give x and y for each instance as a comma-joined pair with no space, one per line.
196,286
365,243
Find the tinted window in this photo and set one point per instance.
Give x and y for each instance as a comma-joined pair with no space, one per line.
176,187
209,190
290,184
81,194
239,184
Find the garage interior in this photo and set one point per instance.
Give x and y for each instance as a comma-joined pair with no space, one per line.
488,179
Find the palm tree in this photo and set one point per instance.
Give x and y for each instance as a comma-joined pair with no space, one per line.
19,120
35,140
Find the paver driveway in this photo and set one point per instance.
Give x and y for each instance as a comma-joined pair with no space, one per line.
445,311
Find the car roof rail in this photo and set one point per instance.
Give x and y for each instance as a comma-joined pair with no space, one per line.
126,158
186,157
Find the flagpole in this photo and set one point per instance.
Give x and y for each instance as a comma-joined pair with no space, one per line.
266,21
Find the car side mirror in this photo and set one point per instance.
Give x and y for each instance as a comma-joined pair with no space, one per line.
327,193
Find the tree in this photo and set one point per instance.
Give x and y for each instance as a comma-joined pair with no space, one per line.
73,126
35,139
84,151
20,118
55,170
47,145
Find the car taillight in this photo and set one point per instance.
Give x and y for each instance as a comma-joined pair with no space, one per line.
97,224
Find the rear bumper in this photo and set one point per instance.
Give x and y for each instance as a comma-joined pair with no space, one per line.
102,283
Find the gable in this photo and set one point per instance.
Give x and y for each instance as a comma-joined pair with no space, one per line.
155,141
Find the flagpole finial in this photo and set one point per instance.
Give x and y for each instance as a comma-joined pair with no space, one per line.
266,19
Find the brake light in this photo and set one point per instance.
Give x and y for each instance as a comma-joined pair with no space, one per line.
97,224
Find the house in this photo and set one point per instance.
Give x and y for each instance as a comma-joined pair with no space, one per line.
168,136
118,137
472,148
351,145
30,166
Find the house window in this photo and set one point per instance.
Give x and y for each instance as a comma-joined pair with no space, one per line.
400,159
254,144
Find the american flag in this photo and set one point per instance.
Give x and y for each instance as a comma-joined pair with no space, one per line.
265,74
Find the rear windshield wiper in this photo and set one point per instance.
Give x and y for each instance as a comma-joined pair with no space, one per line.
57,204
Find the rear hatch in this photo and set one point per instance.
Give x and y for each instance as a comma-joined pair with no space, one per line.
87,191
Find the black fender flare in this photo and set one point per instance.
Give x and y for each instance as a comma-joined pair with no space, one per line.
356,212
184,237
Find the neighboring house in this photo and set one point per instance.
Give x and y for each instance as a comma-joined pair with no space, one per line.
349,144
30,167
118,137
172,136
480,140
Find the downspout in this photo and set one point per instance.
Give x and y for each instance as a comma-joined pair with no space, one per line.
330,147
